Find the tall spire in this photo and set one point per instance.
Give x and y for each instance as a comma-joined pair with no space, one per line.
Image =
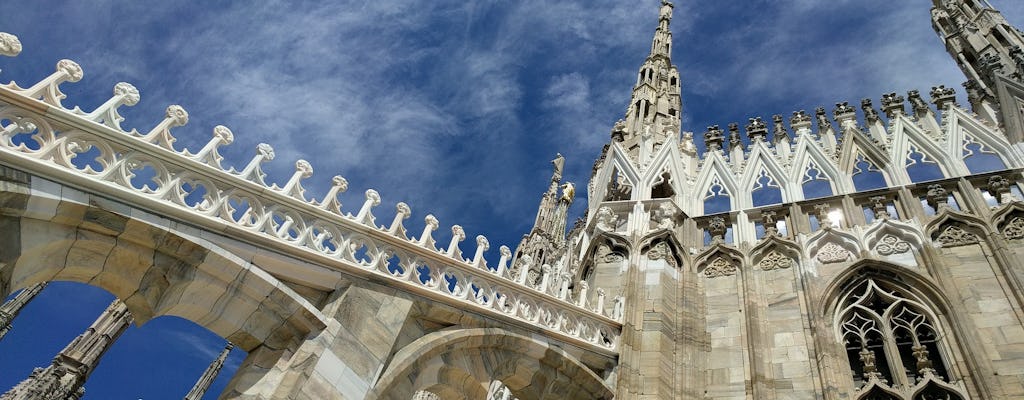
654,110
990,52
546,241
980,40
10,309
204,382
65,377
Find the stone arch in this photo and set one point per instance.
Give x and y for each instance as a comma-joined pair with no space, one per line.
155,271
467,359
827,246
920,289
662,245
947,225
731,260
1009,220
774,251
888,237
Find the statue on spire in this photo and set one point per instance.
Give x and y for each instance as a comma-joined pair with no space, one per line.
666,9
559,163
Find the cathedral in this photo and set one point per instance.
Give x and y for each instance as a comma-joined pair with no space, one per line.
837,255
871,251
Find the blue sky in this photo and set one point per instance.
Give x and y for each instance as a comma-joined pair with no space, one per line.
454,107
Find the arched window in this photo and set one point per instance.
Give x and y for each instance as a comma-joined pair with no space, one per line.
662,189
766,190
717,199
892,340
815,183
920,167
866,175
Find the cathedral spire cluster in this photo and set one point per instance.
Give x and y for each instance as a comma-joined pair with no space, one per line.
654,110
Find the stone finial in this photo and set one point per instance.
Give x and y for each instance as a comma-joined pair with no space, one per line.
870,115
252,172
402,212
717,229
619,131
426,239
482,245
780,131
10,46
975,92
71,71
293,187
331,203
769,221
506,255
1017,55
800,121
999,187
458,235
823,123
892,105
160,135
879,206
124,95
943,97
938,197
843,111
365,215
918,104
713,138
209,155
735,142
822,212
581,298
756,129
991,65
128,92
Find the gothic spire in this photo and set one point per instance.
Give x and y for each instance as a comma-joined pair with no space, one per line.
204,382
65,377
654,110
980,40
10,309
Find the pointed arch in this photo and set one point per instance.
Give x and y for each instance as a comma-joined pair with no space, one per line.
618,171
887,237
772,253
668,160
893,322
962,129
1009,221
828,246
953,228
714,180
913,149
763,181
810,156
722,259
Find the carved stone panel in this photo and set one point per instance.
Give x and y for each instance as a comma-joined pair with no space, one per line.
775,260
720,267
832,253
1014,229
954,236
662,251
890,244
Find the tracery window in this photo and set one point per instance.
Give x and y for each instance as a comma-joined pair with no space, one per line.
893,345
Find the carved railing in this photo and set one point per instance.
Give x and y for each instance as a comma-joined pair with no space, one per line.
92,151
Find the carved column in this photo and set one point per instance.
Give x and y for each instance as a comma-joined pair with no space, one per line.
65,377
209,375
10,309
